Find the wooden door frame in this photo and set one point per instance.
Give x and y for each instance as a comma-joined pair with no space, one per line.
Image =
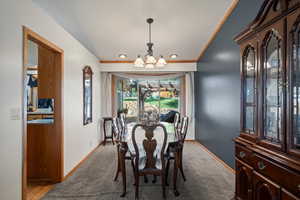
30,35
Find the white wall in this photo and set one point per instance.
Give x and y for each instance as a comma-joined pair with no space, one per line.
79,140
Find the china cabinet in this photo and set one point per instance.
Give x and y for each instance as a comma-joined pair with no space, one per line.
268,147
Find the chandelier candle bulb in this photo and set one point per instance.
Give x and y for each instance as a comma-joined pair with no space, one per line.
139,62
161,62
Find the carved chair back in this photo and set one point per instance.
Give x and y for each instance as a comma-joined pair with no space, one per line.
149,143
122,118
117,129
176,121
183,128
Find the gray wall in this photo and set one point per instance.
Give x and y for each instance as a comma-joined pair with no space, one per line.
217,85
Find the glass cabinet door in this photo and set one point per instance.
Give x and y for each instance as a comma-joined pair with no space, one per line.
249,90
272,88
294,89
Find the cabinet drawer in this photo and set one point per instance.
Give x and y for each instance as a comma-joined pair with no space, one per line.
280,175
243,153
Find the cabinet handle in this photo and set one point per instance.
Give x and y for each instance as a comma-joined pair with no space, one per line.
261,165
298,187
242,154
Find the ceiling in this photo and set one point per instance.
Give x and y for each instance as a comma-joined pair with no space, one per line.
111,27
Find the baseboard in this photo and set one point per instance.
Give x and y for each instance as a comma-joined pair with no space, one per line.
215,157
82,161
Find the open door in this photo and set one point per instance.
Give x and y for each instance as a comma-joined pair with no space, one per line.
43,126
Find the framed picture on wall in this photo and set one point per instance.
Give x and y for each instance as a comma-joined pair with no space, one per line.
87,95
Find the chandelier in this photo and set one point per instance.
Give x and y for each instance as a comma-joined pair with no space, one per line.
149,60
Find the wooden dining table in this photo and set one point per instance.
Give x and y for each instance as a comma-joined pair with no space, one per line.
126,145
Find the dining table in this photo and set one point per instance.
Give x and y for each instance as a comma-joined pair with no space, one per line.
126,146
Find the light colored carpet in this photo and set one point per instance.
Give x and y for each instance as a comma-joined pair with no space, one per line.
207,179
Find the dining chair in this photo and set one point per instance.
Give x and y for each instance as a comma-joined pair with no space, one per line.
122,118
118,132
181,135
149,144
176,121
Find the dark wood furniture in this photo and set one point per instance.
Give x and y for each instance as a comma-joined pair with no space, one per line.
181,131
126,145
118,133
268,148
149,154
106,136
176,121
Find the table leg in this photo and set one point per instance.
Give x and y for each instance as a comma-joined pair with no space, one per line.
176,166
123,151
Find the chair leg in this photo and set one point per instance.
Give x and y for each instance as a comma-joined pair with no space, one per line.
154,179
136,186
167,172
181,167
117,174
112,139
118,167
132,164
163,181
145,179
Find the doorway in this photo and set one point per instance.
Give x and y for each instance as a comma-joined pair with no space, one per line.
42,113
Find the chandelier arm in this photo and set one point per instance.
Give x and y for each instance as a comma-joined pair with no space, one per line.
149,32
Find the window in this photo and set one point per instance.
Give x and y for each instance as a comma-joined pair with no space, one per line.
134,97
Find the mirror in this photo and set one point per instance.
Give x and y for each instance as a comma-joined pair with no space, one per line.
87,95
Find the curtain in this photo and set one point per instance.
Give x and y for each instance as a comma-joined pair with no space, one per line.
106,107
106,96
190,104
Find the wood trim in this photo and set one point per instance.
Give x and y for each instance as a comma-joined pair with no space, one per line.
62,154
132,61
214,156
28,34
82,161
39,39
24,116
219,26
